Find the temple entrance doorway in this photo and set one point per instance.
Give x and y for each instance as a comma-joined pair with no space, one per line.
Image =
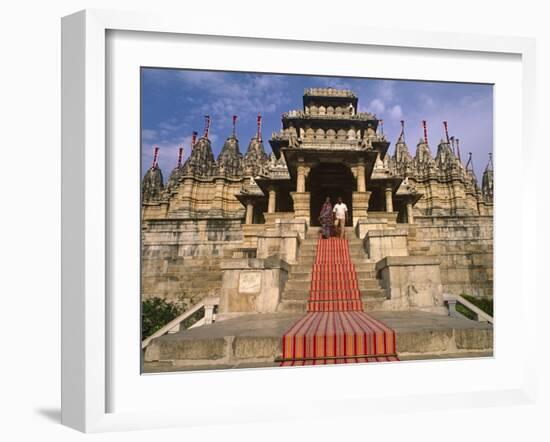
332,180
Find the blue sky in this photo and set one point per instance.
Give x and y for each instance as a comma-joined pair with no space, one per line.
174,103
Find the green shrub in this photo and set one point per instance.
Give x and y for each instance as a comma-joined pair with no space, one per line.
485,304
155,314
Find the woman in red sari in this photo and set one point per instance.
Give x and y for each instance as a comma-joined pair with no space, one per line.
326,218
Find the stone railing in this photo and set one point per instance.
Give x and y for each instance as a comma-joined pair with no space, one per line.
361,116
209,304
452,300
329,92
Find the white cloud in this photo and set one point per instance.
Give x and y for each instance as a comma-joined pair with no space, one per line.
377,106
396,112
426,102
338,83
253,94
386,90
149,134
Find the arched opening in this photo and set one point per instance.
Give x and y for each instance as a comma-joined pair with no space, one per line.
332,180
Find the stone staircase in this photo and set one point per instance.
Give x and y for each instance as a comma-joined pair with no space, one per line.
296,292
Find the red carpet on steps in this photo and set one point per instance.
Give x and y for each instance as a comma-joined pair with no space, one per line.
336,330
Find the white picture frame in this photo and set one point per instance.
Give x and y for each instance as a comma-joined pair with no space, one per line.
87,210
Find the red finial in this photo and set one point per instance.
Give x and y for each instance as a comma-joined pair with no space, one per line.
425,131
180,156
259,135
446,131
458,149
155,158
206,125
234,123
193,139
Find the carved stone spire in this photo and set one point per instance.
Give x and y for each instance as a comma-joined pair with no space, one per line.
487,181
201,162
423,162
173,179
423,153
445,159
152,184
230,158
402,159
402,154
470,173
255,157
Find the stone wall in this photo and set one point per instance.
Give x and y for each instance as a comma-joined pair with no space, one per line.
181,258
464,245
440,198
412,282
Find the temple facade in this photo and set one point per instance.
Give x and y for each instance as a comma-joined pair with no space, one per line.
233,226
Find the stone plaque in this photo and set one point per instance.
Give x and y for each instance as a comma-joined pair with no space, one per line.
250,282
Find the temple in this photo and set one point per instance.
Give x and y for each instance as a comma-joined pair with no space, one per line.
420,230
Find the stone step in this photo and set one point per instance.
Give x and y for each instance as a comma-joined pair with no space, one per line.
254,340
291,306
354,254
364,284
310,260
311,257
306,276
303,295
312,250
313,241
305,267
315,236
370,303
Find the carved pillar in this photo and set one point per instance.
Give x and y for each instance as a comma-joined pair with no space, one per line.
361,182
410,216
249,212
389,200
272,200
303,172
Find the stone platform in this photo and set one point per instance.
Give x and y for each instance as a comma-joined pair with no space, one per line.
254,340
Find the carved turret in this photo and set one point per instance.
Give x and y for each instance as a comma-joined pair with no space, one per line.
470,174
402,159
423,157
201,162
487,181
255,157
423,162
177,172
230,158
152,185
446,161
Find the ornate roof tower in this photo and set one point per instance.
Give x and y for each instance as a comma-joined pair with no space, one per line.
152,185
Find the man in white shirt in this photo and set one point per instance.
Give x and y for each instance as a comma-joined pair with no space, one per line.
341,213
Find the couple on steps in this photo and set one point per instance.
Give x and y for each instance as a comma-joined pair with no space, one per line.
333,217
